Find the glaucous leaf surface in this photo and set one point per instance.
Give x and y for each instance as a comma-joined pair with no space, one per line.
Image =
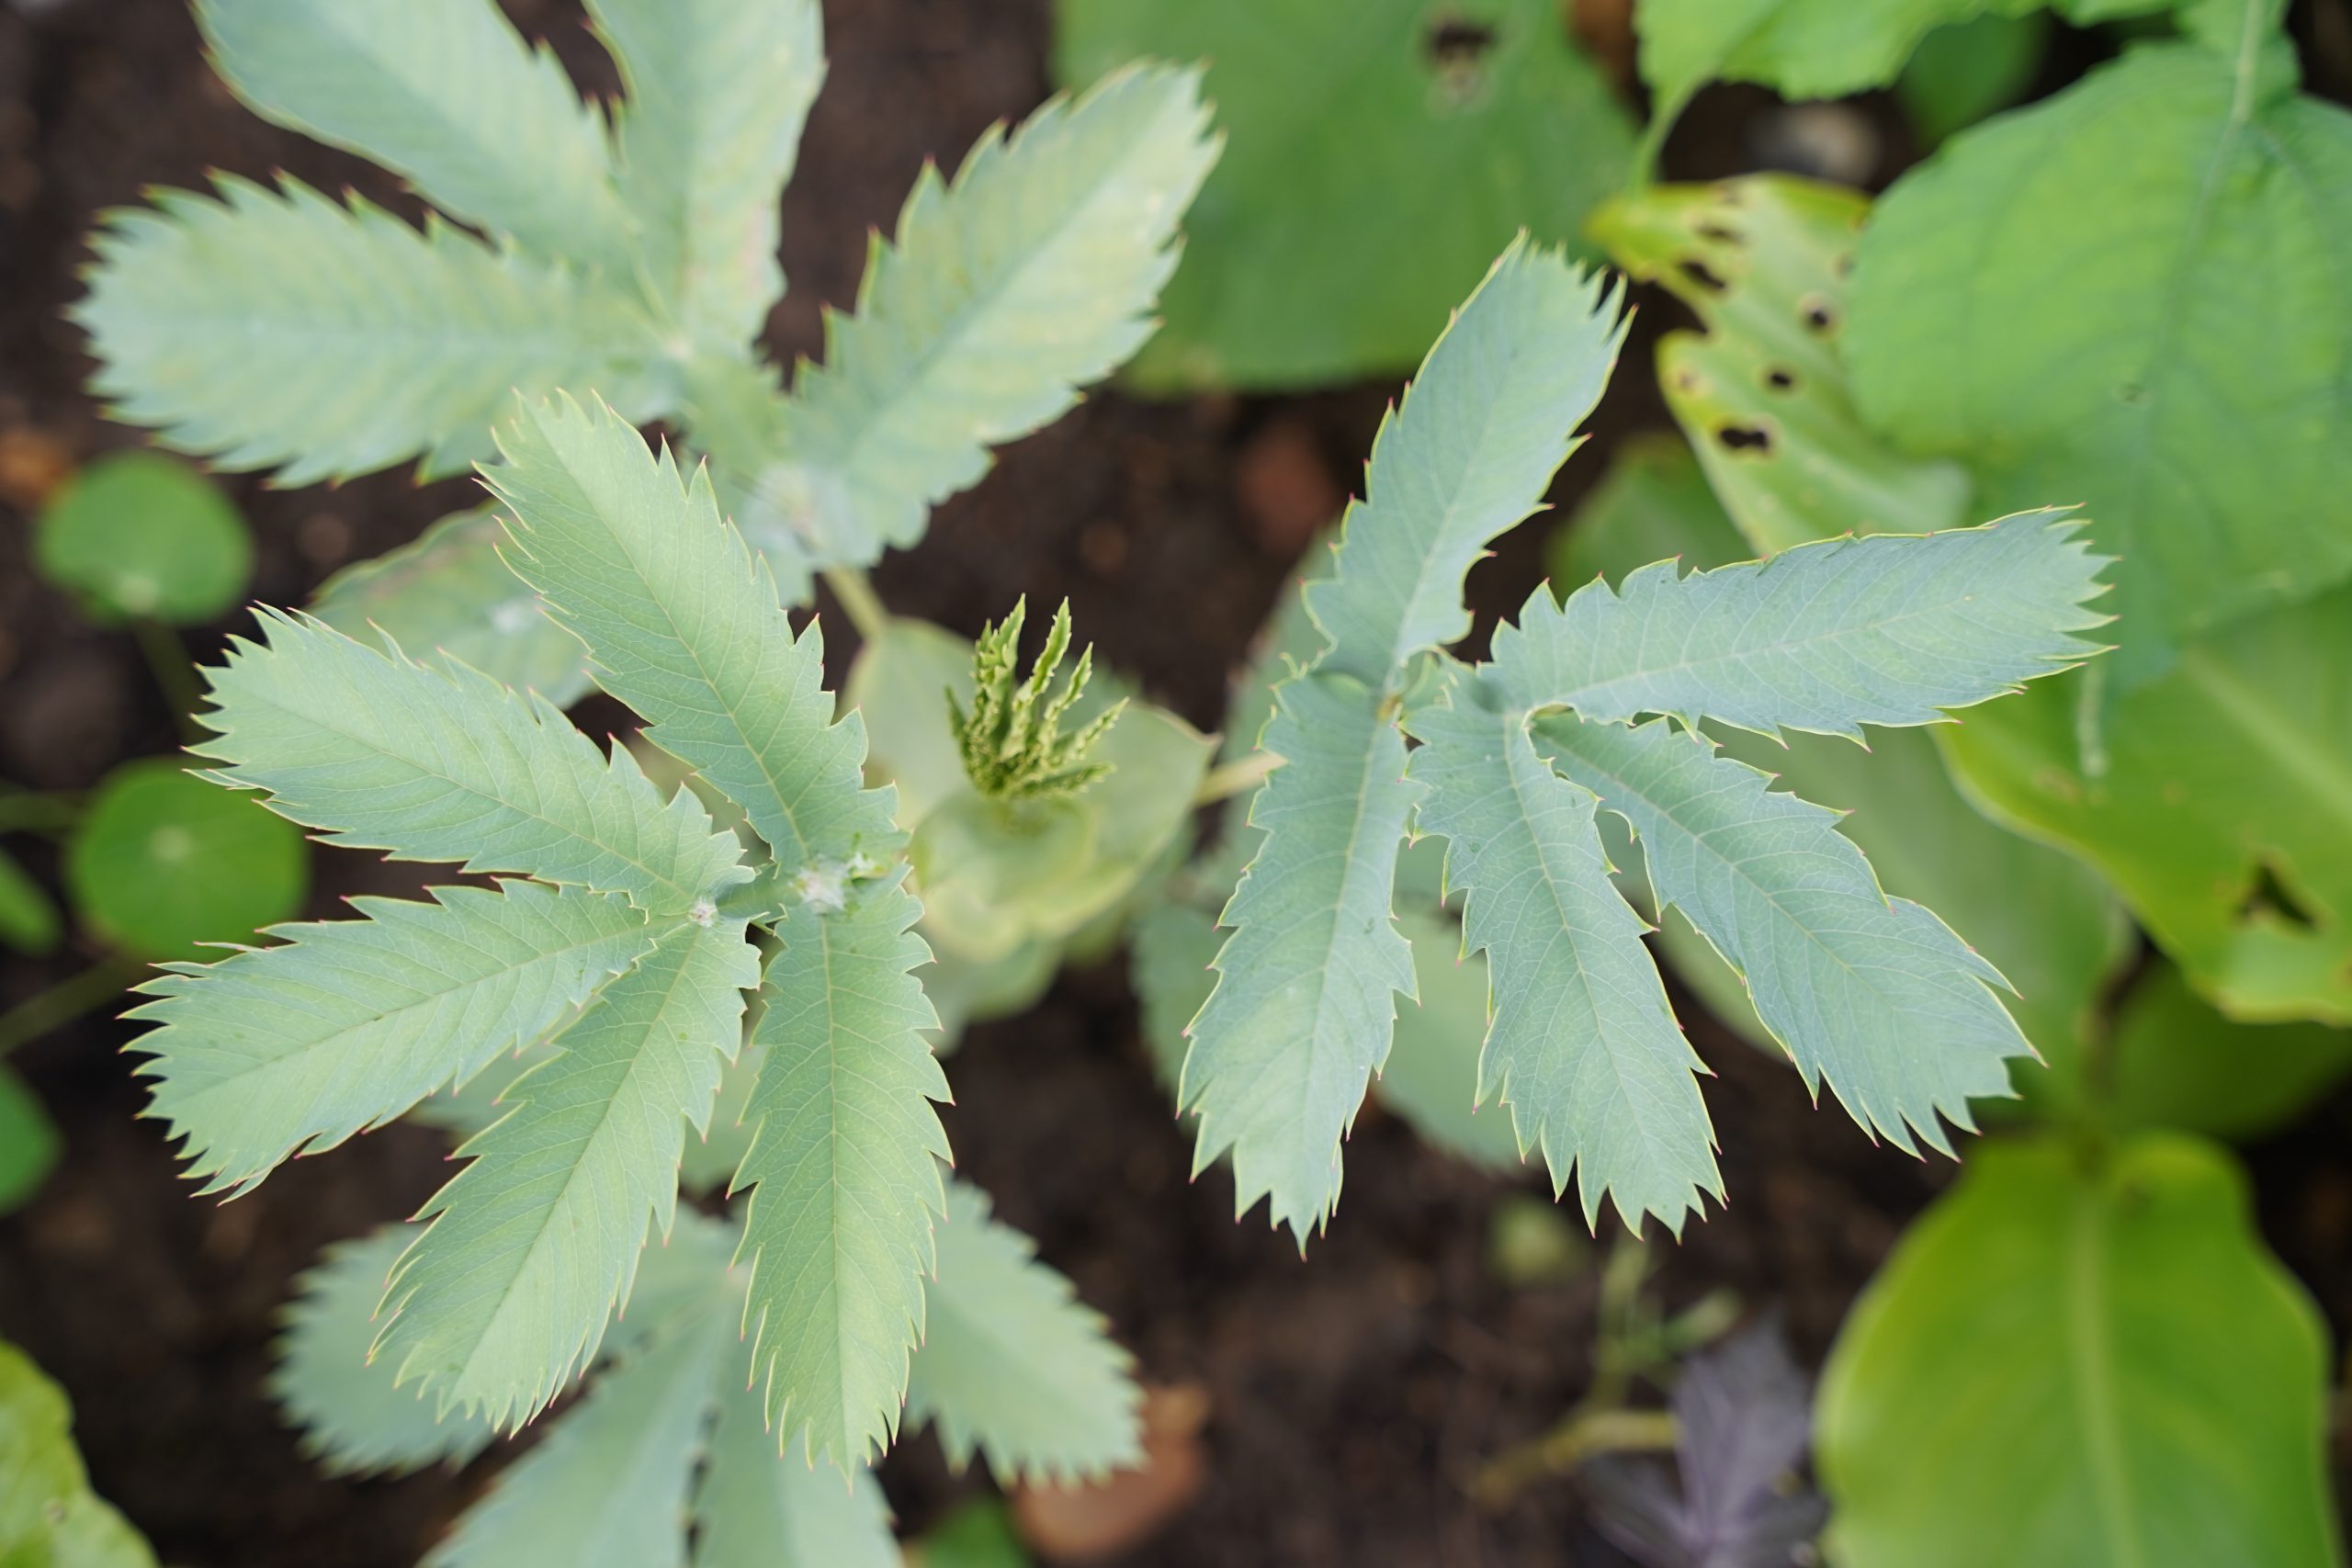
443,93
1889,629
1762,261
1584,1048
1425,138
49,1516
165,864
354,1418
339,1026
285,330
2085,1360
536,1241
1302,1013
707,133
448,765
845,1172
136,534
447,593
1030,273
2161,246
1013,1366
1873,994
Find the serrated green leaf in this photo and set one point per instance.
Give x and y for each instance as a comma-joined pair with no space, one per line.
1030,275
139,534
1828,637
447,592
443,93
2161,247
30,1142
2222,814
1301,1015
448,765
1498,402
165,862
283,330
845,1172
353,1419
1874,994
342,1026
1013,1366
718,91
756,1509
1352,130
683,623
610,1484
1583,1048
49,1516
2100,1365
537,1240
1762,262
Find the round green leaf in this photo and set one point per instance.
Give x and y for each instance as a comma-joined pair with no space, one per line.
1378,156
167,861
139,534
2089,1363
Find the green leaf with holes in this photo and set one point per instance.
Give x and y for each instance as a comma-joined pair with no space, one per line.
165,862
2084,1360
1761,390
1425,136
140,535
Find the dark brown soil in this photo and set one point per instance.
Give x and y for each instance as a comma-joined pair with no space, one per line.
1351,1394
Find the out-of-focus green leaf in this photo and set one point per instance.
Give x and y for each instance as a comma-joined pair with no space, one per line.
28,918
2175,1062
139,535
1423,136
447,592
1432,1076
1961,74
2087,1362
49,1516
165,862
28,1142
1760,391
978,1535
2224,812
2131,296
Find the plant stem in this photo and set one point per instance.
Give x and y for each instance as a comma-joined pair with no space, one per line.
174,671
1585,1434
858,600
1235,778
67,1000
37,811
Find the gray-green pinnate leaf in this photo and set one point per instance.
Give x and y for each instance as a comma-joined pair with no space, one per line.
843,1171
283,330
717,93
684,623
443,93
1013,1366
536,1241
1828,637
1302,1013
343,1025
1030,273
353,1418
448,765
1583,1048
1873,994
